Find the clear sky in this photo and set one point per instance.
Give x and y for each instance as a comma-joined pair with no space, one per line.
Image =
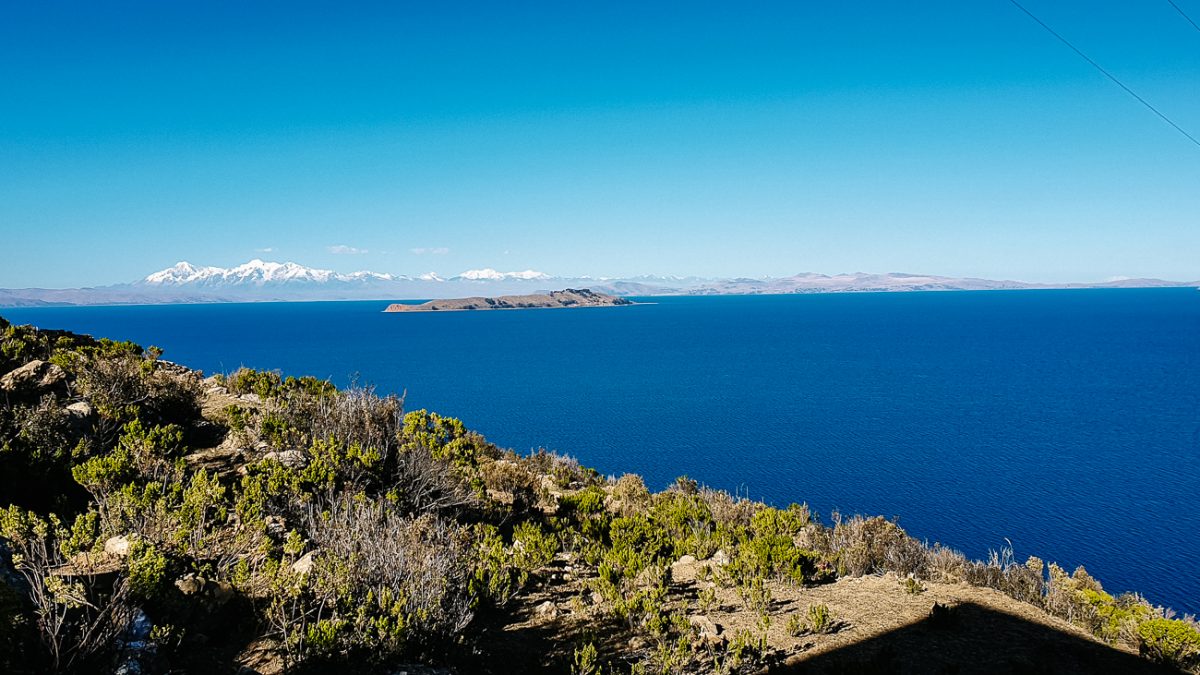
600,138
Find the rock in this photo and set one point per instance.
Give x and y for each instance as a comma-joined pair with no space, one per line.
305,564
275,525
222,460
547,610
719,559
293,459
34,379
212,594
79,415
682,565
190,584
118,546
708,630
81,409
251,398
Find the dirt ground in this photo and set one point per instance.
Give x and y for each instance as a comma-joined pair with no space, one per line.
879,628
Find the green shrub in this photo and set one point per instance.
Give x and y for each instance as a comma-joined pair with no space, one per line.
264,384
236,417
913,586
795,625
383,585
533,547
503,570
755,595
820,620
585,661
1173,642
147,571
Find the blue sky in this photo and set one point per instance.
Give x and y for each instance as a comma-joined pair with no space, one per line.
597,138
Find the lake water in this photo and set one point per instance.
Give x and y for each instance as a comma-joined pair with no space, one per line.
1066,422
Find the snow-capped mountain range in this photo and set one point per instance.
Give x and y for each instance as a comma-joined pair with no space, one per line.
255,272
261,281
260,273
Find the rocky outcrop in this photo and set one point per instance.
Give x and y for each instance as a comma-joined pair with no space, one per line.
305,563
570,297
34,379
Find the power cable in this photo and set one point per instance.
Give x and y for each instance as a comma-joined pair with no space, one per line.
1185,16
1107,74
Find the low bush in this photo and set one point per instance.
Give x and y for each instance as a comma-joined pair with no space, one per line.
1173,642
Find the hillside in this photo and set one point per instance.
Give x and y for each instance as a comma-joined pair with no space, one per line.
159,520
570,297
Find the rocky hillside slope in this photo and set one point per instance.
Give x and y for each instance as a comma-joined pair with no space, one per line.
570,297
156,520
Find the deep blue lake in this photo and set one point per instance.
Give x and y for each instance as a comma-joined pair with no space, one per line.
1066,422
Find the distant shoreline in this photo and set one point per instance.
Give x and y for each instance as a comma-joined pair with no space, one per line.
504,309
148,302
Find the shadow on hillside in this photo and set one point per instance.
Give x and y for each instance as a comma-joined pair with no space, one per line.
972,639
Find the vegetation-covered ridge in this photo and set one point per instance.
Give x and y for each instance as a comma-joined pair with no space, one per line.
157,521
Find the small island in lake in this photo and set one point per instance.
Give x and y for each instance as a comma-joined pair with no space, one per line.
570,297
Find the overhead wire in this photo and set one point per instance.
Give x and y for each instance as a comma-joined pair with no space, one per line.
1183,14
1107,74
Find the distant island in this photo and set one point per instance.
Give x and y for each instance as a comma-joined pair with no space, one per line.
570,297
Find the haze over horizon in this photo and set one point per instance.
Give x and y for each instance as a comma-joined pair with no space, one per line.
284,271
616,140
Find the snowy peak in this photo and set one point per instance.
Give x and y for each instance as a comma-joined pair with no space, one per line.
254,273
181,273
489,274
262,273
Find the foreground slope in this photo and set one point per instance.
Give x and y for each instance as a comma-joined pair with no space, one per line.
161,521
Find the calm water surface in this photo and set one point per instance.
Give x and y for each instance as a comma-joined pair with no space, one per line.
1067,422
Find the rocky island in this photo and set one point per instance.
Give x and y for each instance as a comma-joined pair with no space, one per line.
570,297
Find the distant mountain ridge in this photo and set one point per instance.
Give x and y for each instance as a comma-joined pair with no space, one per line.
255,272
263,281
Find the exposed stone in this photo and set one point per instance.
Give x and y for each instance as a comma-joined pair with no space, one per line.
34,379
80,415
223,460
213,594
305,564
708,630
251,398
679,567
117,546
293,459
719,559
190,584
547,610
81,409
275,525
704,625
